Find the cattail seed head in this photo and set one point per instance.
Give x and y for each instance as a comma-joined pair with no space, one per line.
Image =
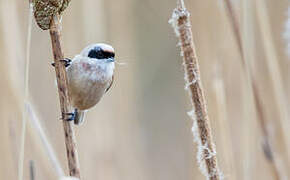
45,9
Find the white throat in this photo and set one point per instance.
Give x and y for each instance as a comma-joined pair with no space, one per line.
107,68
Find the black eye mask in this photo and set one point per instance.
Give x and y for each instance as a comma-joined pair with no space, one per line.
99,53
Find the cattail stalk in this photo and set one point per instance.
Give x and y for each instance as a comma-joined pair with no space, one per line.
70,140
201,128
47,15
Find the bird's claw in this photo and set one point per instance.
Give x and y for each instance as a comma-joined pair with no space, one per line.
66,62
68,116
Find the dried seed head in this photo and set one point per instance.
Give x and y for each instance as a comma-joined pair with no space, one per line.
64,5
45,9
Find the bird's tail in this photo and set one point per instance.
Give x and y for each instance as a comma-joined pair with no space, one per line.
79,117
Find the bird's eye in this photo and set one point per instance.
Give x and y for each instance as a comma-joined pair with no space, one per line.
99,53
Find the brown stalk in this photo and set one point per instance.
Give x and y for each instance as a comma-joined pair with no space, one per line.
207,153
70,140
47,15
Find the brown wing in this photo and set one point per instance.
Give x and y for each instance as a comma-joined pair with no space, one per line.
110,84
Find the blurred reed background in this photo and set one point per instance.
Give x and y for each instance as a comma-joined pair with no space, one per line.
140,129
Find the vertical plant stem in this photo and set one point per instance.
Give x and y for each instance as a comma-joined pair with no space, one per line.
207,153
70,140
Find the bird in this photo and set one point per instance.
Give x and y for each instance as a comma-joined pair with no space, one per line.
90,75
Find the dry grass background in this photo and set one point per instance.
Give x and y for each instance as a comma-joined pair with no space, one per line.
140,129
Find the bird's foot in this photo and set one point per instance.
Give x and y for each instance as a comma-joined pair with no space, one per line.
66,62
68,116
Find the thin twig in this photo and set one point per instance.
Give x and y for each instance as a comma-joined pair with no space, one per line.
207,153
70,140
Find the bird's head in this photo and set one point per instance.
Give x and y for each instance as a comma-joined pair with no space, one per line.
100,52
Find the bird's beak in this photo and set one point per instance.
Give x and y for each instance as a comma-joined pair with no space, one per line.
110,60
